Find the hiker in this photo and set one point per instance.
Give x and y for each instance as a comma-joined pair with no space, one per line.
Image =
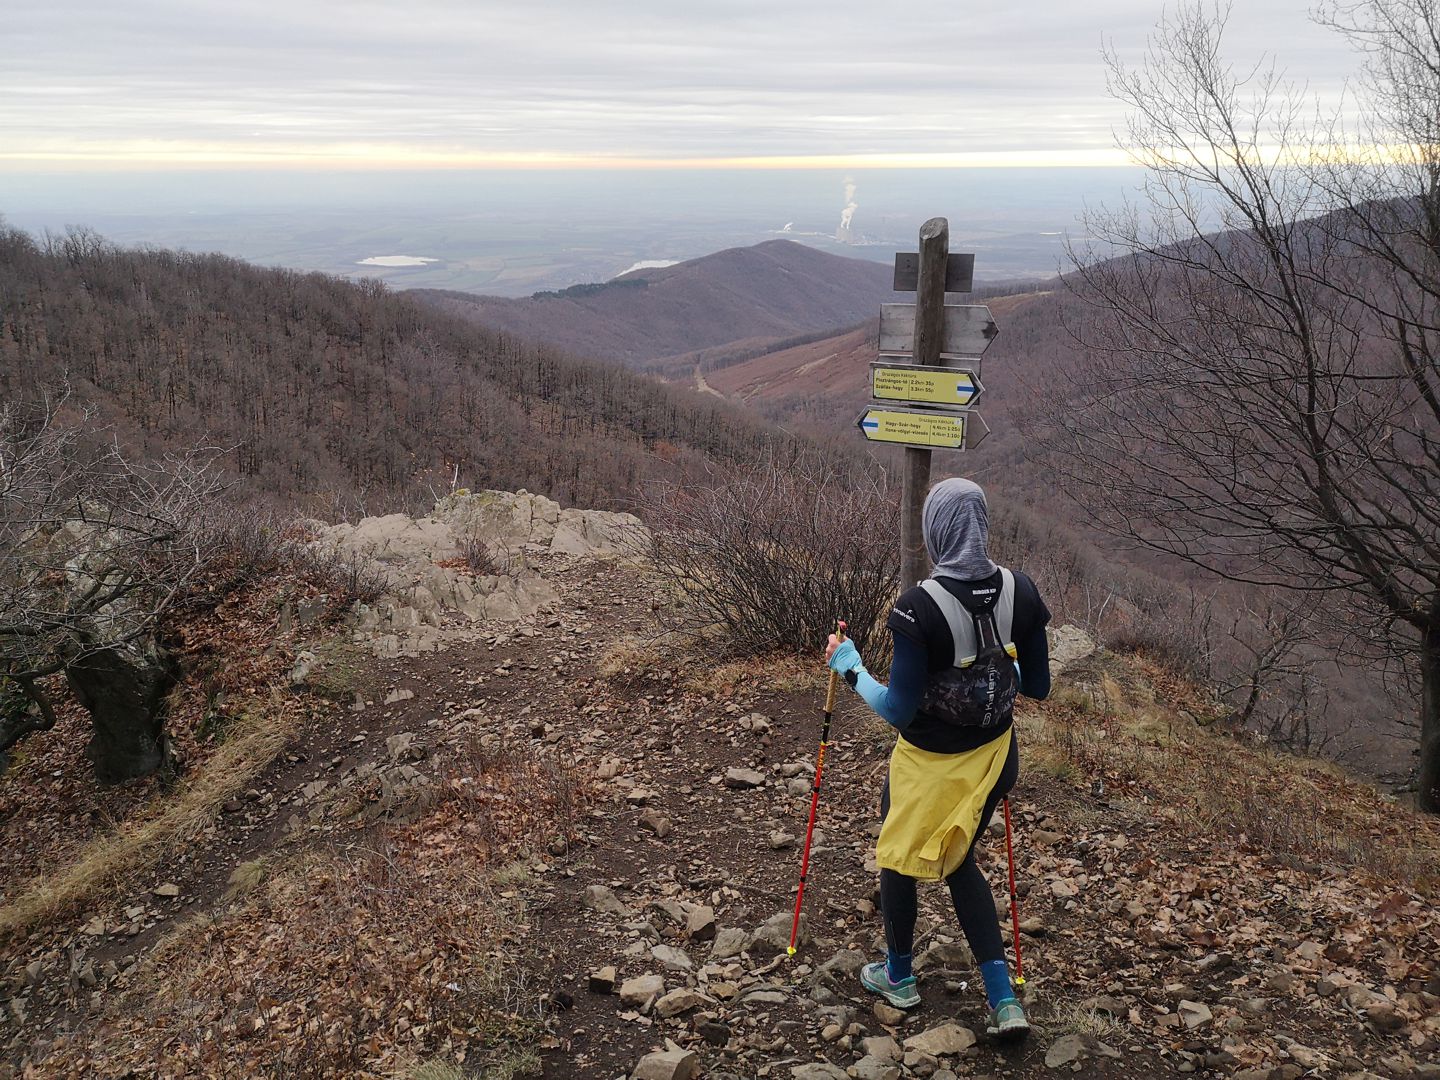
966,641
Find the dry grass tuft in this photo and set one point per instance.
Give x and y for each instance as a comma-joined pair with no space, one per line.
780,674
254,740
671,656
1071,1017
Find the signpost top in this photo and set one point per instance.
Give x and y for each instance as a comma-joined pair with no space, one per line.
959,272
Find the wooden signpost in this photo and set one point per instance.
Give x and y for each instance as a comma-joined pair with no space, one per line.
927,377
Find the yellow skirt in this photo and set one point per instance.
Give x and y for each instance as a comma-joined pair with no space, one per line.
935,805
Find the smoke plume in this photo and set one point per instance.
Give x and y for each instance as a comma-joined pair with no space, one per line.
842,234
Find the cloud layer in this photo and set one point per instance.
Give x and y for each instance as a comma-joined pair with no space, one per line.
449,80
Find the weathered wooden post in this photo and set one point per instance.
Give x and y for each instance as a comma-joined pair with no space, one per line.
929,360
929,334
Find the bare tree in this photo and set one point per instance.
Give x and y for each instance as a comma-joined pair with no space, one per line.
1259,392
94,549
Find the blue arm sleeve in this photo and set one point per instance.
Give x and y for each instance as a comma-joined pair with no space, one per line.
909,674
1034,654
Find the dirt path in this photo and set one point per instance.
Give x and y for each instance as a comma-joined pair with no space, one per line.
1151,950
703,386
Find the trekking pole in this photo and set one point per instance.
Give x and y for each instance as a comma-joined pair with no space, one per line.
1014,901
815,797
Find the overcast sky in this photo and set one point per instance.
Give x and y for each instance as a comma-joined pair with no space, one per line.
96,83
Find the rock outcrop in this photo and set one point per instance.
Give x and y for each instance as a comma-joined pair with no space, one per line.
472,556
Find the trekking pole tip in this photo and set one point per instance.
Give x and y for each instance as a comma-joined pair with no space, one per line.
790,950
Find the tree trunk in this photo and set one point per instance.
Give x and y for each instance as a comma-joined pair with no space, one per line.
124,690
1428,788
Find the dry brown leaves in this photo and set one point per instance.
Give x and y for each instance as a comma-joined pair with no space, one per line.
409,942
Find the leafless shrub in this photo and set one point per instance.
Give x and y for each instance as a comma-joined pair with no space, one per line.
351,576
771,555
1173,626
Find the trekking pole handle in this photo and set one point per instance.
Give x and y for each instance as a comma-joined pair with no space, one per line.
834,675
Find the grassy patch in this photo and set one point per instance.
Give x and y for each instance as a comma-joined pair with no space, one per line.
1071,1017
256,738
685,658
404,956
340,669
1130,731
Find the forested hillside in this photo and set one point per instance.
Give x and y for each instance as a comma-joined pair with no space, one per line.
339,395
770,292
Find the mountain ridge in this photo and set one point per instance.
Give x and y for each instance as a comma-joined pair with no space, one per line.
769,291
334,390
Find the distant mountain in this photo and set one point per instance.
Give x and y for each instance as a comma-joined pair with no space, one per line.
338,396
770,292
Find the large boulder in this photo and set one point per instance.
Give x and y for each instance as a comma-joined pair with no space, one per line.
1068,645
511,522
469,556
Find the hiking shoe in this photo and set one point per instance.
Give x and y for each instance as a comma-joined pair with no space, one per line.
1007,1021
876,978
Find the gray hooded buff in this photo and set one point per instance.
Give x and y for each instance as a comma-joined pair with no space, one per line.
956,523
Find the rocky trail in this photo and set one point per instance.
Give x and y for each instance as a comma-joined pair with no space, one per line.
648,928
1149,952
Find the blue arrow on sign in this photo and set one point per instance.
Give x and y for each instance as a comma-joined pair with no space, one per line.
873,425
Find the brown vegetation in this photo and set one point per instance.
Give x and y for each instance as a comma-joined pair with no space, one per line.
357,961
338,396
767,557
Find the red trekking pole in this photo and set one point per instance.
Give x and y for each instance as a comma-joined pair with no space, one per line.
815,797
1014,901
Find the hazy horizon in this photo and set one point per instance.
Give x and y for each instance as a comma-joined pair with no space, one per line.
512,232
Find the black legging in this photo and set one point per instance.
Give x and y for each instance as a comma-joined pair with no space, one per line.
969,891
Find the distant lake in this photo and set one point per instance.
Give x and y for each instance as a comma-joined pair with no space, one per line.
395,260
648,264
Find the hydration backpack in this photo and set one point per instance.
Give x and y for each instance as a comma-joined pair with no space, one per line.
979,689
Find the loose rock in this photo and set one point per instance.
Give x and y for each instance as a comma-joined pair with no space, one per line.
640,991
602,981
667,1065
599,898
672,958
947,1038
743,778
678,1001
729,943
1069,1049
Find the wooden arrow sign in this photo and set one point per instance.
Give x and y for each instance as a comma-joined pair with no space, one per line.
969,329
959,272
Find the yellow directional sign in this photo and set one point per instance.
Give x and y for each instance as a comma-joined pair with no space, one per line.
928,428
956,387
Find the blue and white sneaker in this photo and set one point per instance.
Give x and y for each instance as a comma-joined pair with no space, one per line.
904,994
1007,1021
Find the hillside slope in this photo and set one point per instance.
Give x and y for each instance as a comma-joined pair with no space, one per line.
523,810
771,291
832,374
339,394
